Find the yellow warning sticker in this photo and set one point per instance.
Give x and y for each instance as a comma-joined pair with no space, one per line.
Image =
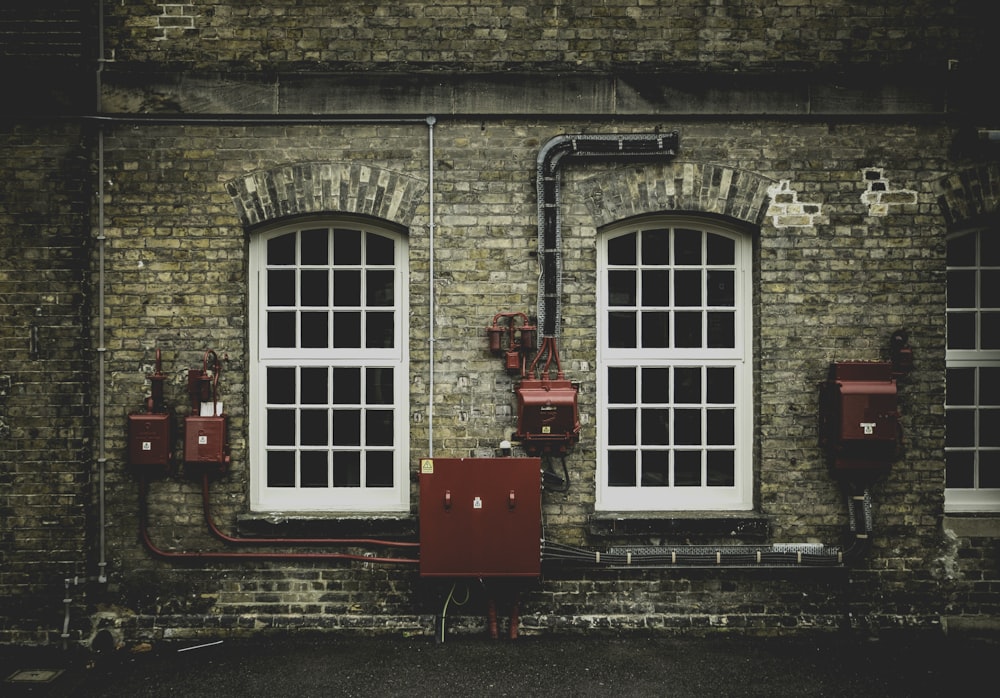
426,466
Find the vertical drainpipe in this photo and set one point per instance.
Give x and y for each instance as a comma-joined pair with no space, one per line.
102,453
431,296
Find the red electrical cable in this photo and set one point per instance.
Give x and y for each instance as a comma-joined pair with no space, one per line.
208,555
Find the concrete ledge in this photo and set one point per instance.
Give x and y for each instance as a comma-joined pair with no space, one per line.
972,526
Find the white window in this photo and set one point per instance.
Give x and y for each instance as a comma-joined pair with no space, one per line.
674,367
972,403
328,383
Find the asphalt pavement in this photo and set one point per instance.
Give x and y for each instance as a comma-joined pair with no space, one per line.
832,665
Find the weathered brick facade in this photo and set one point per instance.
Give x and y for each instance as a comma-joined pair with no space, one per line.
842,135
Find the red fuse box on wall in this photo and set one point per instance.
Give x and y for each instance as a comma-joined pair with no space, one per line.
859,417
149,440
548,419
480,517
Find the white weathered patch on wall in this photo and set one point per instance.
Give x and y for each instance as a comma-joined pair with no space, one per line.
878,196
174,18
786,211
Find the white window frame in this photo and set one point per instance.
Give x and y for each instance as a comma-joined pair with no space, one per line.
739,496
328,499
974,499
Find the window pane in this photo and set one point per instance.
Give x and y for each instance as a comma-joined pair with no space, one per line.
655,427
281,329
346,469
687,247
656,247
655,385
379,388
347,288
346,428
722,288
314,470
687,288
315,330
722,330
621,427
378,428
655,469
378,469
721,250
962,289
621,469
313,428
989,428
989,248
687,468
380,250
989,469
280,287
315,288
989,288
687,328
379,330
989,331
280,427
280,469
621,385
721,427
960,428
281,250
621,249
621,288
314,386
989,385
347,330
687,386
721,386
687,427
379,289
346,386
961,330
721,468
621,330
962,251
655,330
346,247
280,386
315,244
655,287
961,386
960,469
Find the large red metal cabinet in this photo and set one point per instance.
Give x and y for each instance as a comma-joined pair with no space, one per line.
480,517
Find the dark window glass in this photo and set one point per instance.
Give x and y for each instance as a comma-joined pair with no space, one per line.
280,427
346,247
621,469
656,247
378,469
315,244
621,385
314,386
346,469
280,386
621,250
346,386
655,469
281,250
346,428
687,468
380,250
313,428
280,469
280,330
280,287
314,469
655,385
621,427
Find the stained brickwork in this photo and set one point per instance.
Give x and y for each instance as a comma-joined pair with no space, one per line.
225,119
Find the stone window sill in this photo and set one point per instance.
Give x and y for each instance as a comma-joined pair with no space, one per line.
973,525
401,527
682,526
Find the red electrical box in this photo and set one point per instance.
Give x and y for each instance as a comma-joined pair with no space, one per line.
149,440
548,418
859,417
480,517
205,441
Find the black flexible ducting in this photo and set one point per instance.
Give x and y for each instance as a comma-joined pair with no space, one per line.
629,146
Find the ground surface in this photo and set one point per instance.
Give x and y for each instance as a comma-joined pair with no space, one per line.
586,665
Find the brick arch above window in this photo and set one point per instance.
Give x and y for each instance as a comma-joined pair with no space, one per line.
969,195
679,186
322,187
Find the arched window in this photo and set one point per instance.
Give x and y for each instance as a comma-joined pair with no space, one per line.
328,385
674,367
972,403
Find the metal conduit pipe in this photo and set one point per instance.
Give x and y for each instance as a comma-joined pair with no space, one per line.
783,555
217,556
631,146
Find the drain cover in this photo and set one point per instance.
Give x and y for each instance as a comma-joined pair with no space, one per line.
34,675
